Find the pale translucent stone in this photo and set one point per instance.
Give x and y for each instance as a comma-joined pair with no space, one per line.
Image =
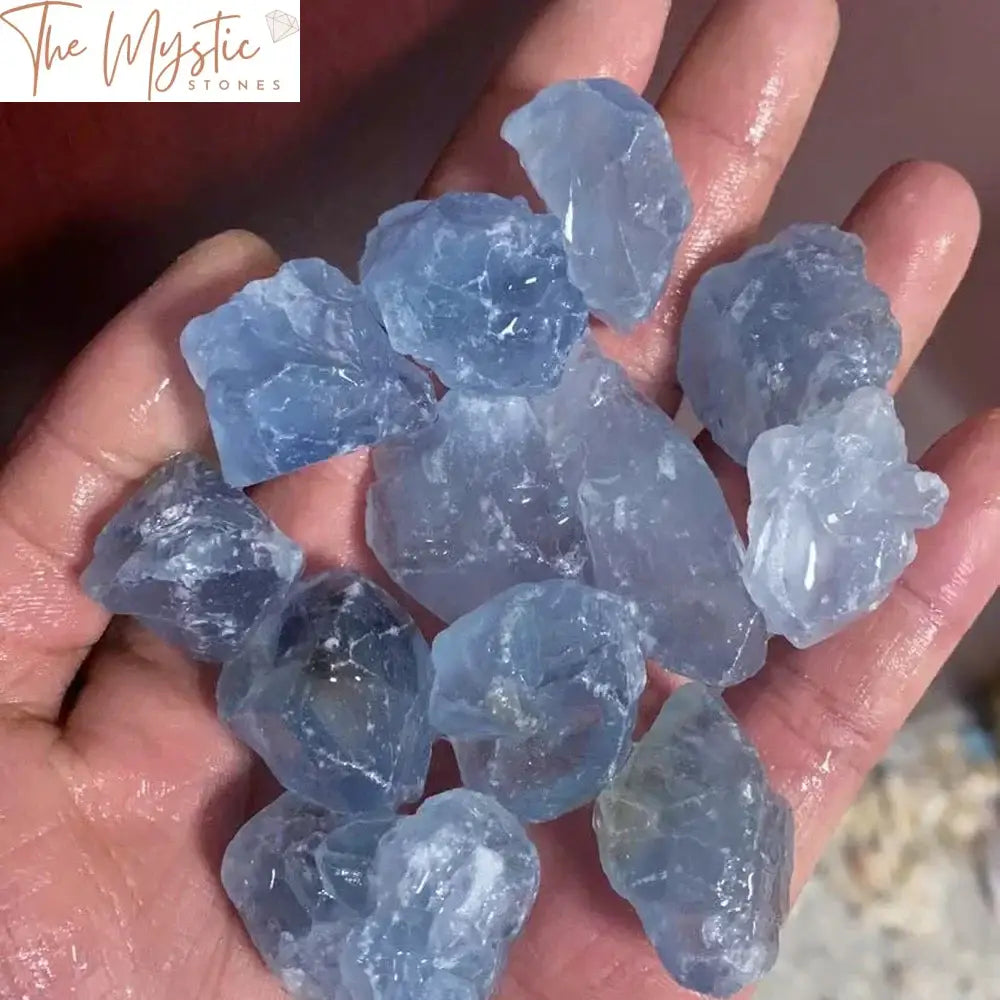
789,327
451,888
193,559
537,690
691,834
600,157
834,506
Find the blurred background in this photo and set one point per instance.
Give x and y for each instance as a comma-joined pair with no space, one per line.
96,200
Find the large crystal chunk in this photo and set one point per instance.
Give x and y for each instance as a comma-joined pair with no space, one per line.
451,886
296,368
537,691
298,875
691,834
471,506
600,157
475,286
834,505
332,692
788,328
193,559
657,524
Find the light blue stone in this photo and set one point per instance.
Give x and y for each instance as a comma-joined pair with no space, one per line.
471,506
451,887
194,560
691,834
834,506
788,328
601,159
332,693
657,525
475,287
537,691
296,369
298,875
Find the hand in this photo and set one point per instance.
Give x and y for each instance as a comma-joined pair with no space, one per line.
118,787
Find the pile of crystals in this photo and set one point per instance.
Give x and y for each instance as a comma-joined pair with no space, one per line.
562,527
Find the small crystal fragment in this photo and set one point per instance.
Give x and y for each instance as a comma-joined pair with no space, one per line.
788,328
332,693
451,886
656,521
196,561
475,286
537,690
834,506
600,157
296,369
298,875
471,506
691,834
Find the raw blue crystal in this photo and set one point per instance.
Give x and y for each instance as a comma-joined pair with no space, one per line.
834,505
296,368
471,506
451,886
691,834
600,157
475,287
788,328
193,559
298,875
332,692
537,691
657,524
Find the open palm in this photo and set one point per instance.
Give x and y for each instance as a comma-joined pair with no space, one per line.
115,807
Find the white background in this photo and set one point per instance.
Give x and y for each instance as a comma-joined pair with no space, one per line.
82,77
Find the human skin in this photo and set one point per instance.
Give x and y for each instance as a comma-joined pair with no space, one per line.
116,804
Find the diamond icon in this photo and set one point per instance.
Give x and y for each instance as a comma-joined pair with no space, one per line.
281,25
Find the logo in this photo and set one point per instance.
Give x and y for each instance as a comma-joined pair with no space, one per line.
117,51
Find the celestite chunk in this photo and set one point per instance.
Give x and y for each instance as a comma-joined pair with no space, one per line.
471,506
193,559
691,834
788,328
537,690
332,693
298,875
600,157
657,524
296,368
834,506
475,286
451,886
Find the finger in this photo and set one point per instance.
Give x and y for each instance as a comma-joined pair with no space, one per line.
571,38
125,405
735,109
822,717
920,223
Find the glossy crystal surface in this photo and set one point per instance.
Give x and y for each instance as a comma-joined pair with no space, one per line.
332,693
296,368
537,691
298,875
475,287
691,834
657,525
601,159
834,507
471,506
451,887
193,559
791,326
